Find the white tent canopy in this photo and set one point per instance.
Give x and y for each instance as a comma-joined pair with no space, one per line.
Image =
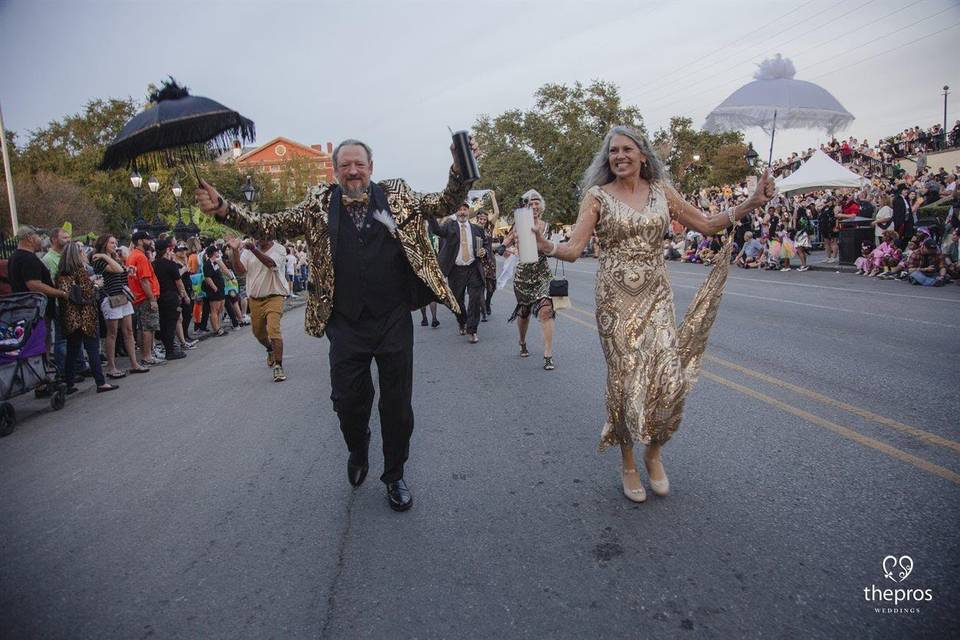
820,172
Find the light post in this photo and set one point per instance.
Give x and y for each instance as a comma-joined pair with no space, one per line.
180,230
137,181
946,90
157,226
751,156
249,192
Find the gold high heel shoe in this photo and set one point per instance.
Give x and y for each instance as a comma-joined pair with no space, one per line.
659,487
634,495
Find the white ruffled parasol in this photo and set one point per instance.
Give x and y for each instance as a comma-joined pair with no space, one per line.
776,99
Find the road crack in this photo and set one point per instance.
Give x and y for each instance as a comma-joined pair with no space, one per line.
341,561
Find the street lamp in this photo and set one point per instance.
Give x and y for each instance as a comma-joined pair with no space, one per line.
249,192
180,230
751,156
946,90
136,180
158,226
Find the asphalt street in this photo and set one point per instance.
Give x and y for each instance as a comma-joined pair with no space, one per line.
205,501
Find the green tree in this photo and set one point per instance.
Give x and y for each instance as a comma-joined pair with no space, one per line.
70,149
721,155
548,147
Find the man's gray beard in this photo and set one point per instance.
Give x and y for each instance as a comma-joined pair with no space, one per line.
355,193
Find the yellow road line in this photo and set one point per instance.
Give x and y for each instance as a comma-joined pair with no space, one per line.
926,436
846,432
856,436
920,434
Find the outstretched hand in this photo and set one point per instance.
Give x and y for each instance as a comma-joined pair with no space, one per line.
765,190
209,200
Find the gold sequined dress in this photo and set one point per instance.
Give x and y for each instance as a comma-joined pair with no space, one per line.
651,362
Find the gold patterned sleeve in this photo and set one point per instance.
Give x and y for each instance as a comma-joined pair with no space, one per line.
290,222
443,203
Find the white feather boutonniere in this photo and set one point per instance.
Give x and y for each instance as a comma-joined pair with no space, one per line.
386,219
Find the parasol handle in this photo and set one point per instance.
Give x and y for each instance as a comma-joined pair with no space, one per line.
773,134
195,172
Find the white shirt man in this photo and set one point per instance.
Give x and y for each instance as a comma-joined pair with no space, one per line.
263,281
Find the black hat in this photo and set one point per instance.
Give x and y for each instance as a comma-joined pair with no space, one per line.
141,235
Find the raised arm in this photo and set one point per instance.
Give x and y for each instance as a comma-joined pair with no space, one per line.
440,204
583,230
289,222
698,220
444,230
112,265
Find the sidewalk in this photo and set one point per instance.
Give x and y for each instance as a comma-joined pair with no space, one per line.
291,303
816,265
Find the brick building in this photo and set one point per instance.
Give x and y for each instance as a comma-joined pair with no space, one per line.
271,158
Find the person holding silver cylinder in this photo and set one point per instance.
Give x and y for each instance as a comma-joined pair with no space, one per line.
531,284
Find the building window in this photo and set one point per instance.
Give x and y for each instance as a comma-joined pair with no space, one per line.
280,150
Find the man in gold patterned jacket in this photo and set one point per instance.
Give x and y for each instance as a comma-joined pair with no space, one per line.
368,270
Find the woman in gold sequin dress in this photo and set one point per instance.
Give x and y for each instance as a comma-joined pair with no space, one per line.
651,363
531,286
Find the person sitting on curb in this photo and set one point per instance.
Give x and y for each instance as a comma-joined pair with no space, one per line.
929,269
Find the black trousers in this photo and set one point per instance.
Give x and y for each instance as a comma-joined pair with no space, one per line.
186,317
467,280
168,323
353,344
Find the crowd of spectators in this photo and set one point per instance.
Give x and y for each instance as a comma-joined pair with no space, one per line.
883,156
149,300
904,246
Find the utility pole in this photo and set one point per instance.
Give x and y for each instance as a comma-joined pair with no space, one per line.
9,174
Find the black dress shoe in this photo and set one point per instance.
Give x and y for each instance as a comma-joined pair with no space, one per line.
357,467
399,495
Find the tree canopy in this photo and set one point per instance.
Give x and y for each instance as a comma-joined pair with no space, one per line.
548,147
721,155
56,177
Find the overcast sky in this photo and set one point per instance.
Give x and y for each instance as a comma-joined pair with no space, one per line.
396,73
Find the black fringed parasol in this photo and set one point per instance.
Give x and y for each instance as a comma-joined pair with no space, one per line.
177,128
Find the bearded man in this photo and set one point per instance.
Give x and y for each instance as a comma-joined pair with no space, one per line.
368,270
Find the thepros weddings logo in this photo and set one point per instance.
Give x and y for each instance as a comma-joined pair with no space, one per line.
897,569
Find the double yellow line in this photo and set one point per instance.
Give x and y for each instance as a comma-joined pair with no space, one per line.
925,436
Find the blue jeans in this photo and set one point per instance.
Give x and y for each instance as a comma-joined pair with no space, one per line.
60,351
92,347
922,278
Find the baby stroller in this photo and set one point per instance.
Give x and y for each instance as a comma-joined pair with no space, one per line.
23,355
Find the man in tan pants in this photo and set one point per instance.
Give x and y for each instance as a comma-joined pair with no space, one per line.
264,262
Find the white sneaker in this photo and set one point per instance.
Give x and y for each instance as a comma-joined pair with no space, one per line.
246,319
803,268
786,269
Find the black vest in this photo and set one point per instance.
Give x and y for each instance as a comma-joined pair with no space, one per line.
370,269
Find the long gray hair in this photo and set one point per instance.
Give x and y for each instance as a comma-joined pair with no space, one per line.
599,173
72,261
